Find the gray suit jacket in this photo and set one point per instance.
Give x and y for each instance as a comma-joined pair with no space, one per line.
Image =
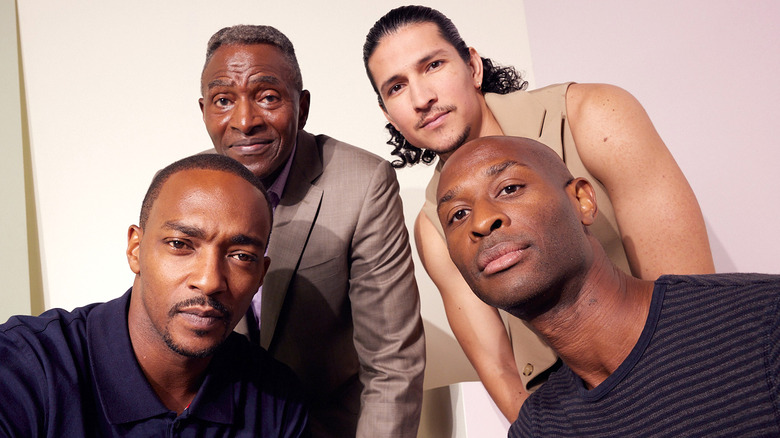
340,303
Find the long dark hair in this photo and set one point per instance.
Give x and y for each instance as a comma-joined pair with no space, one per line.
496,78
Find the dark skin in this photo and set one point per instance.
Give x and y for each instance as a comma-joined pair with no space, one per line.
252,108
198,262
516,228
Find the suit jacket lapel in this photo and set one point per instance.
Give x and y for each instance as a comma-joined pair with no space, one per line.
293,220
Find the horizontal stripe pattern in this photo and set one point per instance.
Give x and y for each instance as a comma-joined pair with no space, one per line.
706,364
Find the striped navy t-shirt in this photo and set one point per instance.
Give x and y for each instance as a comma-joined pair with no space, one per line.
706,364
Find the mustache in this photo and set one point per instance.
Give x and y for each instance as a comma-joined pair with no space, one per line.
202,301
434,110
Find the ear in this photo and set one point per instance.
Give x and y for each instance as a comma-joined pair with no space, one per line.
303,108
266,263
585,198
134,235
388,118
475,62
200,104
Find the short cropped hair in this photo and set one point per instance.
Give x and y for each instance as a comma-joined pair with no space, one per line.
246,34
199,162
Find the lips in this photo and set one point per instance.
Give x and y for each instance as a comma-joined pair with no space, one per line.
433,120
203,317
251,146
500,257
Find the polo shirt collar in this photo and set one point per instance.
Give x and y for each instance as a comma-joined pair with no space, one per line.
124,393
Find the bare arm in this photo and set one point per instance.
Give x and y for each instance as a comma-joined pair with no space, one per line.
477,326
660,222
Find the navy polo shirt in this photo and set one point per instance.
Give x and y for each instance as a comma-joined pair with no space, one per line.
75,374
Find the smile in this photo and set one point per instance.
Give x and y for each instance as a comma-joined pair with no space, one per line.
500,257
251,146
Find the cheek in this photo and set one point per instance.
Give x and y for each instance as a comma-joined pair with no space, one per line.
215,125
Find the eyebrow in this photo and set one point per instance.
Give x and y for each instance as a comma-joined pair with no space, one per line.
267,79
198,233
424,60
184,229
493,170
500,167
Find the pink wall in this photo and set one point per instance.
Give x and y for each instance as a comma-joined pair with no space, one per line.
707,73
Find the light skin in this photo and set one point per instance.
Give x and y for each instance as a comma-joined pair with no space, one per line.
615,140
251,107
429,93
198,262
516,227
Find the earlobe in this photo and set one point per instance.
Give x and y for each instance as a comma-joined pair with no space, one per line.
586,200
134,234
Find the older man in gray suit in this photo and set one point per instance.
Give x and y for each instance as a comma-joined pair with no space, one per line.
340,304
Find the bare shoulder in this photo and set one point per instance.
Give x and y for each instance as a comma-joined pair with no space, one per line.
611,129
598,100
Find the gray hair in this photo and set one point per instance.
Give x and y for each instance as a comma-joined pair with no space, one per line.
245,34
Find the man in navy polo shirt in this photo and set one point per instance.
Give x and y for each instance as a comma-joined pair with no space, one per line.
162,360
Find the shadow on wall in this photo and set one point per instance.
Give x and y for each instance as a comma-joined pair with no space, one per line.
723,262
446,363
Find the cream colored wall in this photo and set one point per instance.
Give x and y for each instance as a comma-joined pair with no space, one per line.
14,271
112,92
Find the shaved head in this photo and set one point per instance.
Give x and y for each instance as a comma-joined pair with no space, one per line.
517,151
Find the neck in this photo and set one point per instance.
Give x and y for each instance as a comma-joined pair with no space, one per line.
594,332
175,378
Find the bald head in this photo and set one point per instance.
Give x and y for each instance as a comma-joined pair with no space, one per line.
505,152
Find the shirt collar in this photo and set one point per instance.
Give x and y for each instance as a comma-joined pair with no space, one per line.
276,190
124,392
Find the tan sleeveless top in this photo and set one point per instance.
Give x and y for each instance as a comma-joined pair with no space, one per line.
541,115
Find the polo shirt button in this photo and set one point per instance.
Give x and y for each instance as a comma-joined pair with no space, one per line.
528,369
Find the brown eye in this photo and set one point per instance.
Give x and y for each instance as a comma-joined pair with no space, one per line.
459,215
512,188
244,257
177,244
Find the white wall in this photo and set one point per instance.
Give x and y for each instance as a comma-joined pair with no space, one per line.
14,267
112,92
706,71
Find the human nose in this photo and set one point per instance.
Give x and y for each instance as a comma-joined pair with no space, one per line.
423,96
485,219
246,116
208,275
